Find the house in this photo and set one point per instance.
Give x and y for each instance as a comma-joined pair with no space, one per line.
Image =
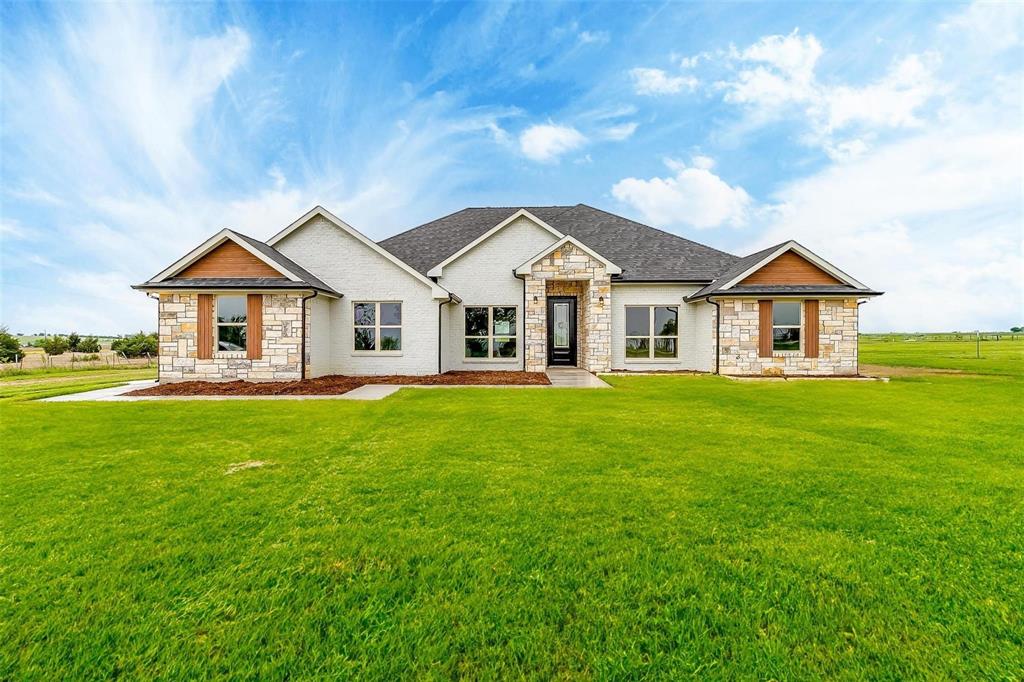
494,289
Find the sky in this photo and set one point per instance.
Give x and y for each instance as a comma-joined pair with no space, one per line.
887,138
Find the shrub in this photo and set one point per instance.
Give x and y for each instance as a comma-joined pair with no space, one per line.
54,345
92,357
136,345
10,347
73,340
89,344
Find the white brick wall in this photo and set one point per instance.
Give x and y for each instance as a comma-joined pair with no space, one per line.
483,276
318,345
361,274
696,333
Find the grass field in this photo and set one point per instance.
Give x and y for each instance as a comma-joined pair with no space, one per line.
997,357
685,526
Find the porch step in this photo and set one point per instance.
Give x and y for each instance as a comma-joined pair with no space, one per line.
573,377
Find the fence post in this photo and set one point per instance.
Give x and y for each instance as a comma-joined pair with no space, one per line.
977,334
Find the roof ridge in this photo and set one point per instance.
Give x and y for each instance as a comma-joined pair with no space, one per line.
656,229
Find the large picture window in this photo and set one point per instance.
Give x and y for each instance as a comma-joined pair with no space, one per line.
490,332
786,325
652,332
377,327
231,323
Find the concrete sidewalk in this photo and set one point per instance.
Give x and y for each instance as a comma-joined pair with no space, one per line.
561,377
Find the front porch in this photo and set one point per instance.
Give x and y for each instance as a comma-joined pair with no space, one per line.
568,270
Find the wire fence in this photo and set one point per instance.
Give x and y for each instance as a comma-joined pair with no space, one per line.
946,336
75,361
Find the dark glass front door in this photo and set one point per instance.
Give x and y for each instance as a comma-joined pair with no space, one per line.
562,330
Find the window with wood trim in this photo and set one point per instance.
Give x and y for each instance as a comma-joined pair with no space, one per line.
786,325
377,327
490,332
232,323
652,332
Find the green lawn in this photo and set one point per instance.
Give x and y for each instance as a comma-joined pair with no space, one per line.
44,383
683,526
997,357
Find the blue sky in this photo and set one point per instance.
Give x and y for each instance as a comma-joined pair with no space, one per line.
886,137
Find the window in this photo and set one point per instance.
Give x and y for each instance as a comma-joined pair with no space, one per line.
652,332
378,327
231,323
490,332
786,325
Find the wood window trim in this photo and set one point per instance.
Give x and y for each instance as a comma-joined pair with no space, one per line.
491,336
377,326
651,337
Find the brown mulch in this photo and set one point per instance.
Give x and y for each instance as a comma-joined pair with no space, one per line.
338,384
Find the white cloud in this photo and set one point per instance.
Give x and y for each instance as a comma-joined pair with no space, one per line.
694,196
846,150
989,26
776,77
547,142
590,37
933,220
648,81
619,132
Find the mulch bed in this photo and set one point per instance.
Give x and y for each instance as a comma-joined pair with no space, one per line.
337,384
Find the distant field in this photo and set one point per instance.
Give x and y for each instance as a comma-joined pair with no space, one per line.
1005,356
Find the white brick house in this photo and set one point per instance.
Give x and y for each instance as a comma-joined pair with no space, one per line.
499,289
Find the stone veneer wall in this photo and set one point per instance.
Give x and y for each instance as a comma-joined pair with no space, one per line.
594,323
837,342
282,343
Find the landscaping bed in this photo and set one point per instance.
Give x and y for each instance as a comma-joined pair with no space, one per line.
338,384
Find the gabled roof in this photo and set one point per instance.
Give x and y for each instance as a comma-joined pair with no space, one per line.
729,280
437,291
526,267
438,269
642,252
293,275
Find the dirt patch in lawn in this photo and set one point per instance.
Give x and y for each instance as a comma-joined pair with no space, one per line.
887,371
338,384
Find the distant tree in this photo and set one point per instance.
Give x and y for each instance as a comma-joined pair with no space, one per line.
10,347
1017,330
73,341
89,344
55,345
136,345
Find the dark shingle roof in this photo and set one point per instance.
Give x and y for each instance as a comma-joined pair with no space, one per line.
644,253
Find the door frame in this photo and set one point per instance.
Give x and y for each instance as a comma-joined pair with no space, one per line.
573,360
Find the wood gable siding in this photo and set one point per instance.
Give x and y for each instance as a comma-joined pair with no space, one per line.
790,268
228,260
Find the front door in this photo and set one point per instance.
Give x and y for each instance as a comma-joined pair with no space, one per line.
562,330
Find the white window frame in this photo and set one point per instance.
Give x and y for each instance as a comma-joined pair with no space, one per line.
217,324
376,327
651,336
799,327
490,336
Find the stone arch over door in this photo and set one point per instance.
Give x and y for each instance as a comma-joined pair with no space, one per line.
570,270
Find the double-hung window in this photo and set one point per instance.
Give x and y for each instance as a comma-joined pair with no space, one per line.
652,332
377,327
786,325
490,332
232,320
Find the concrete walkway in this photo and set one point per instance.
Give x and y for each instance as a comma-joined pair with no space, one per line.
561,377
